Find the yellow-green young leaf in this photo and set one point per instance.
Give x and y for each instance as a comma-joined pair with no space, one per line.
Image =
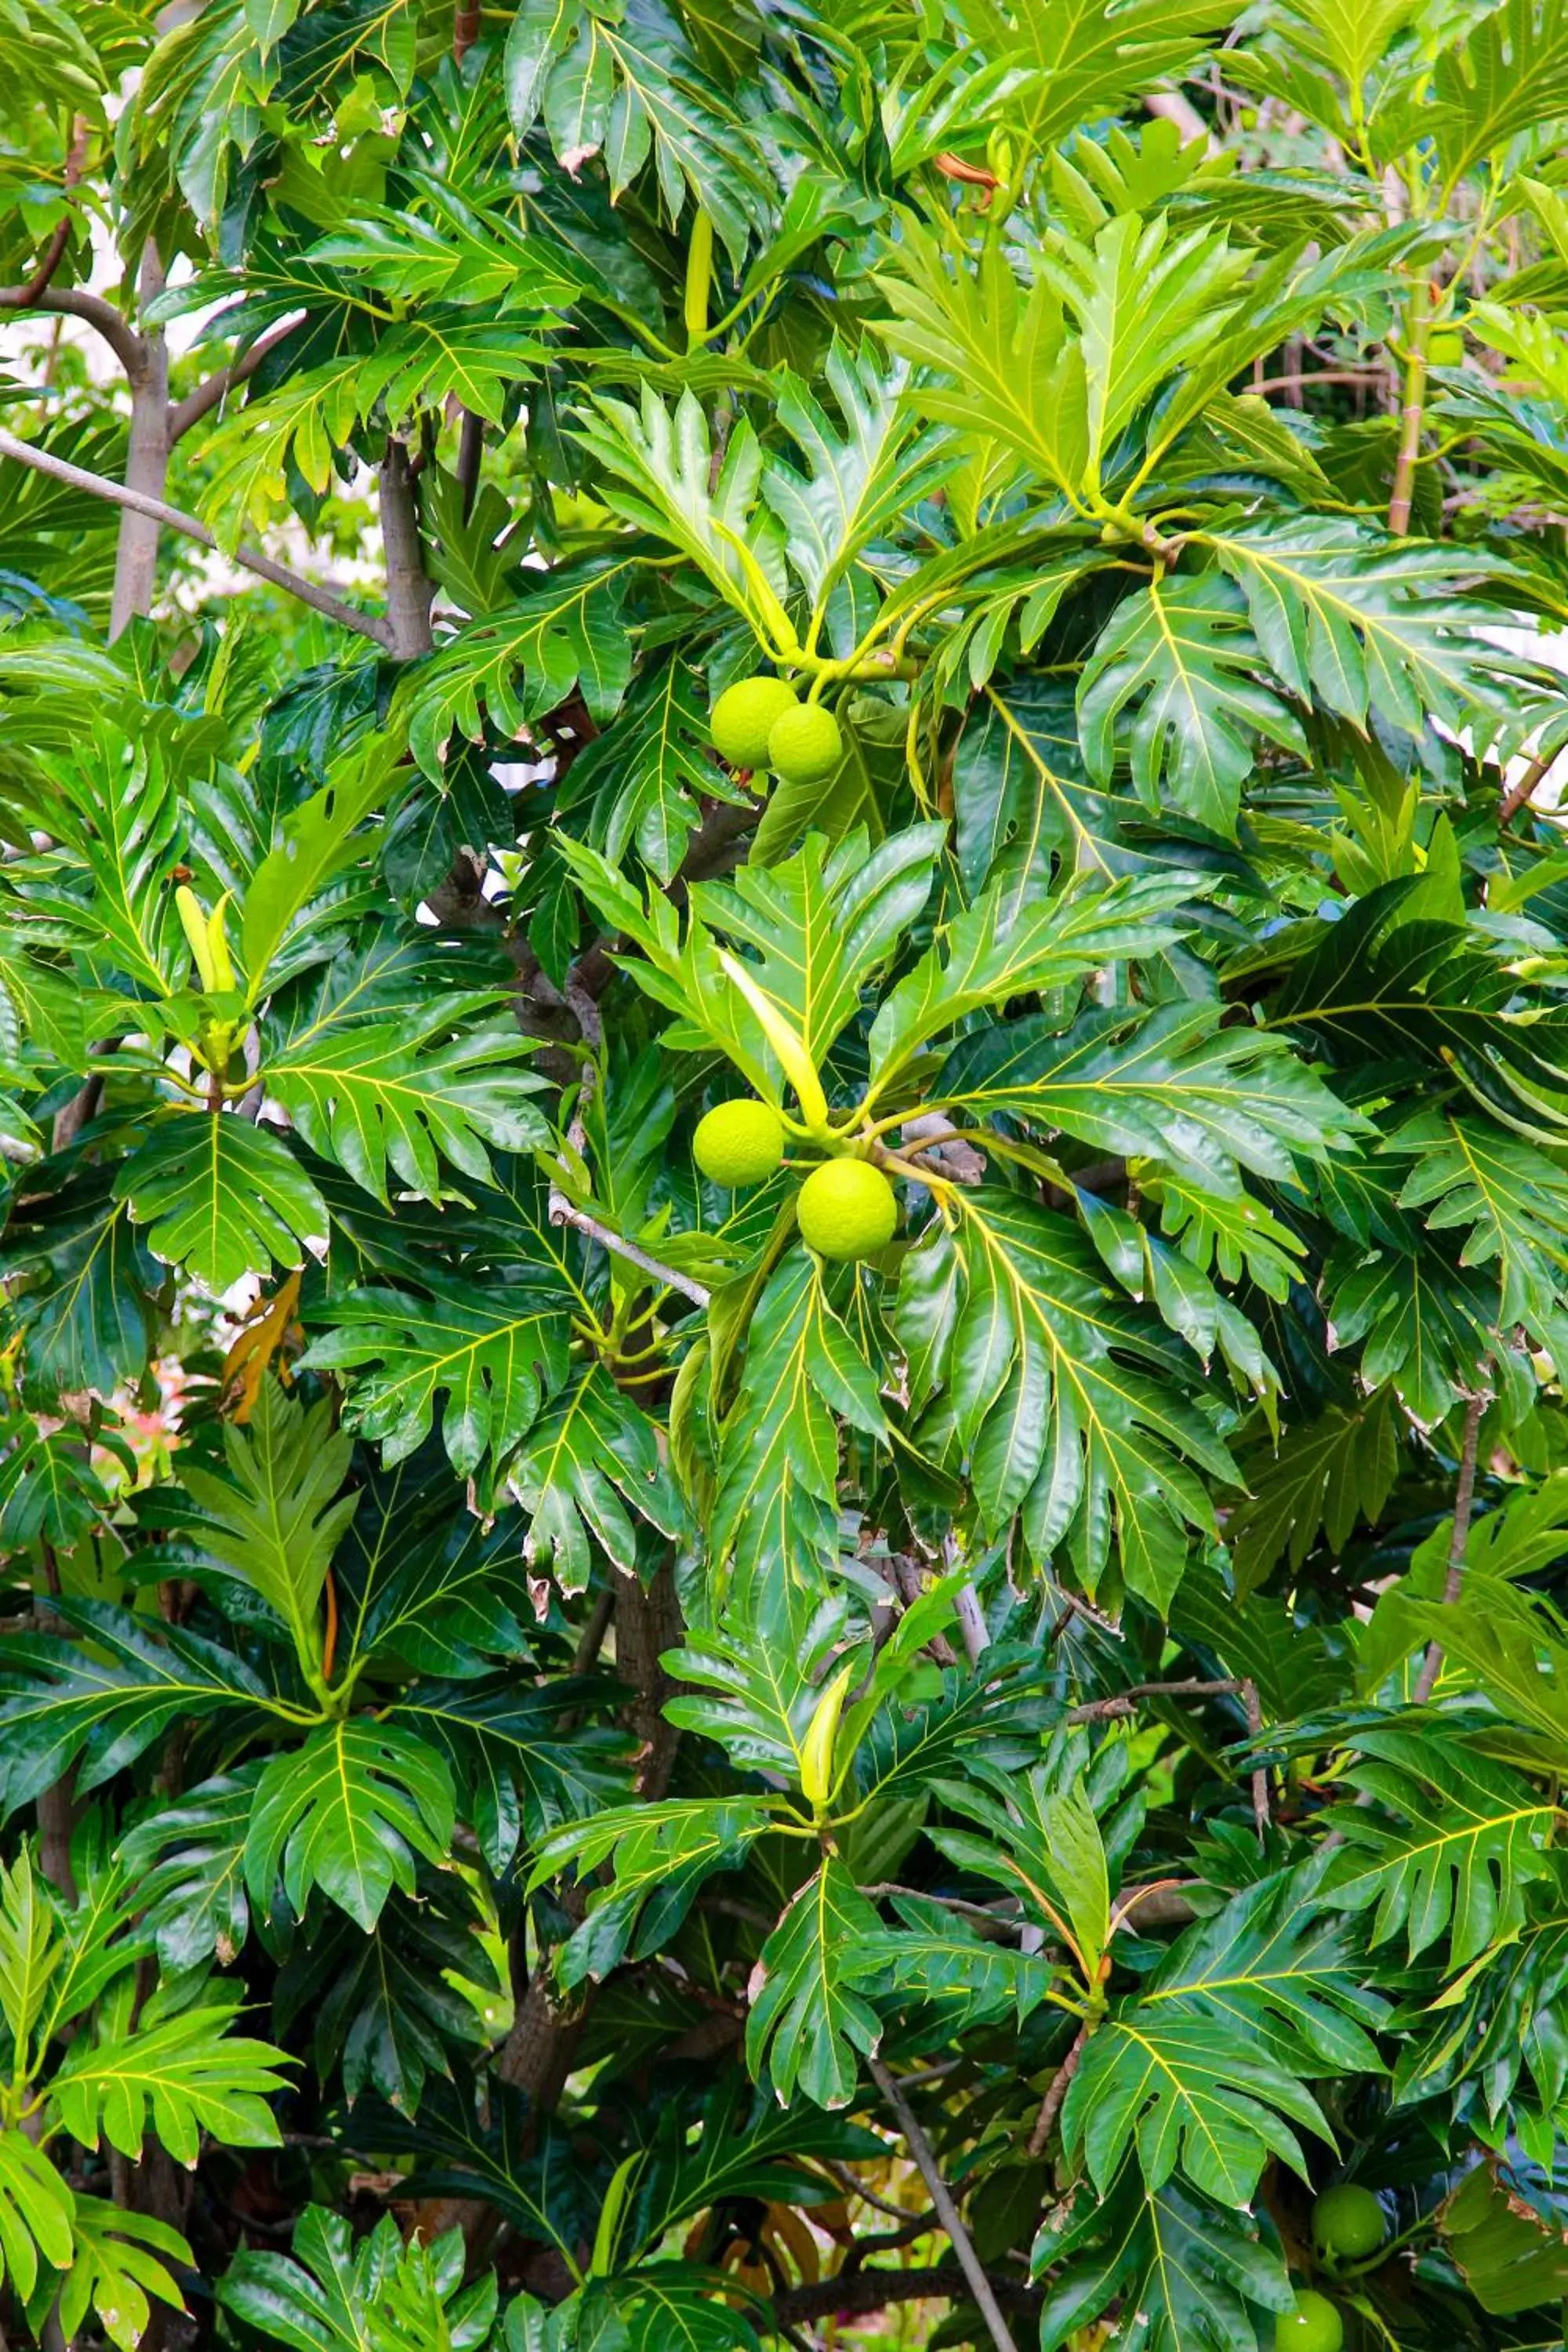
815,930
608,2233
659,464
193,923
786,1043
816,1774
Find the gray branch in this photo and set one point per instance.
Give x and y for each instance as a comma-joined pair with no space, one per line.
76,303
969,2262
210,395
249,559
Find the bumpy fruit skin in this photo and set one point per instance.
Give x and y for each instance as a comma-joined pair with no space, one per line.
847,1208
741,719
805,744
738,1143
1446,348
1314,2326
1348,2222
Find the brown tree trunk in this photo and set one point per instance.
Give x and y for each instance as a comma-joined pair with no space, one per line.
56,1804
146,464
409,592
647,1623
542,2048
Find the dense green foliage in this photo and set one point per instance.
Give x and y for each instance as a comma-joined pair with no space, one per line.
591,1760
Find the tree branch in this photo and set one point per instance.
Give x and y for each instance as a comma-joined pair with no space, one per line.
76,303
562,1211
1262,1814
972,1623
1056,2092
951,2220
54,252
867,2290
1453,1583
1098,1710
1520,795
221,381
249,559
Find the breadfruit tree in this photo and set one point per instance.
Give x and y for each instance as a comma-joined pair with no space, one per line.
783,1111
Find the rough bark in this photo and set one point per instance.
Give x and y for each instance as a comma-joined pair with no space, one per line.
408,590
647,1623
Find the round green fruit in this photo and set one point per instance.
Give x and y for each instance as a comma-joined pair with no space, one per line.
738,1143
1348,2223
1446,348
1311,2325
847,1208
805,744
743,717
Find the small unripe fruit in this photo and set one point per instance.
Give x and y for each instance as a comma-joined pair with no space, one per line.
738,1143
741,720
1313,2324
1446,348
805,744
846,1210
1348,2222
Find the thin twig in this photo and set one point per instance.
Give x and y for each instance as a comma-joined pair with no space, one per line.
1318,375
885,1887
1056,2092
1453,1583
847,2180
54,252
590,1640
1096,1710
1260,1809
563,1211
249,559
951,2221
886,2241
